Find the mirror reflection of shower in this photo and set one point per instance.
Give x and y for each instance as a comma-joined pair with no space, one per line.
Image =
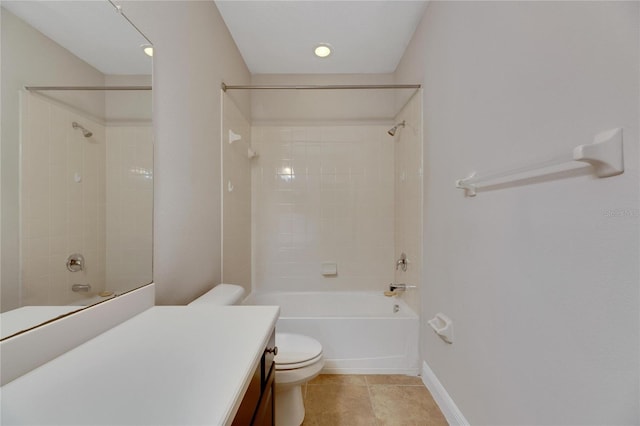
86,133
392,131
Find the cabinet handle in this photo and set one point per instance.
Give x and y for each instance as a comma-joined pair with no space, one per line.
273,350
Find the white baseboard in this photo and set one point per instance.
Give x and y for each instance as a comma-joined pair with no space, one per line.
448,407
349,370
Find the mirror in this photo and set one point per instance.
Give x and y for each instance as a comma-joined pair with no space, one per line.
77,165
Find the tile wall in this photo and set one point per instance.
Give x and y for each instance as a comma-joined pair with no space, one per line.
323,194
129,207
63,194
408,198
92,196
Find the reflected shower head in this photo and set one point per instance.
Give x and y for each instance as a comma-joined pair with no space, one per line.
86,133
392,131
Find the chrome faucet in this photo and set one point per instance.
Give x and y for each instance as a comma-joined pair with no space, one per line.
75,262
81,287
400,287
402,262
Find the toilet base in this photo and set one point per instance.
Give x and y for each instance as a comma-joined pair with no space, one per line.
289,406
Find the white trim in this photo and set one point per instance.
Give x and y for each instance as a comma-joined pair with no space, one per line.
448,407
348,370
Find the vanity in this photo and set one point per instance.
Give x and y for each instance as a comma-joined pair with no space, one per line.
168,365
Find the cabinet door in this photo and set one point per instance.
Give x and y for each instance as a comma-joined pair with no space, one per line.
268,359
265,414
250,401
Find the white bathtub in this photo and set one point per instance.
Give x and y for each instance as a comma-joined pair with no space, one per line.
359,331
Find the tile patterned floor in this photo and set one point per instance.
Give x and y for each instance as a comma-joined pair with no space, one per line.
364,400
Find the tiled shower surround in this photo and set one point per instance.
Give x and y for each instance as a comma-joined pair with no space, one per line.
129,205
67,181
323,194
63,196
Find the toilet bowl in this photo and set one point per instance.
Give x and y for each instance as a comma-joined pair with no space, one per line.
298,360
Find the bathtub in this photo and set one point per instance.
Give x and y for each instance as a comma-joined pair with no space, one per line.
360,332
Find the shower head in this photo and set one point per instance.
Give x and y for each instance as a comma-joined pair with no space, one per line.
86,133
392,131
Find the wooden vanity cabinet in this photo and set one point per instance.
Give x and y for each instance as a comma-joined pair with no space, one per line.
258,404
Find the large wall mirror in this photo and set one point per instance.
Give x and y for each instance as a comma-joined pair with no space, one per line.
76,159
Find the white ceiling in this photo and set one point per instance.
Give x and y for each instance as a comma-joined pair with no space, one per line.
279,36
92,30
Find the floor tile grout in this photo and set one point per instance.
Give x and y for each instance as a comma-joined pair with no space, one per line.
394,384
379,390
373,411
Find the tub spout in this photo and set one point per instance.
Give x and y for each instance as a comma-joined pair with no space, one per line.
400,287
80,287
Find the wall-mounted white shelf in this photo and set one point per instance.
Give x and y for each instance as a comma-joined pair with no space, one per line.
605,155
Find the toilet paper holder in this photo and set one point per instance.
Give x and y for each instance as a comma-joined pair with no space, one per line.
443,326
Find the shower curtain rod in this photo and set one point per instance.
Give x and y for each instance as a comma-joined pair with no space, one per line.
328,86
45,88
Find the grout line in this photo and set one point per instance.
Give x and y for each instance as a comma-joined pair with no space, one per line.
397,384
373,412
377,422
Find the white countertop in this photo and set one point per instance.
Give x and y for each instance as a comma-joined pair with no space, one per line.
170,365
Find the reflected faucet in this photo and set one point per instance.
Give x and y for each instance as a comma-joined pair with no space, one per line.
81,287
402,262
75,262
400,287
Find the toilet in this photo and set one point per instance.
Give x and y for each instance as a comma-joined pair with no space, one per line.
298,360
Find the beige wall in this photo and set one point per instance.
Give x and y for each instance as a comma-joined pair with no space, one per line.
540,278
306,107
408,174
28,58
128,106
323,194
194,53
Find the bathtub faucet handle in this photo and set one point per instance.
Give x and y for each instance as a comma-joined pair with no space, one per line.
402,262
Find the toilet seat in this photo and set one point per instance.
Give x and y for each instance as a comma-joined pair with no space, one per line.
296,351
295,366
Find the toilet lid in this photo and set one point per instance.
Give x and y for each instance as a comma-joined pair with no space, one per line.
296,348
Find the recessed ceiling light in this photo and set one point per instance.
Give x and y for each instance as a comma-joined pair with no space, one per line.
322,50
147,49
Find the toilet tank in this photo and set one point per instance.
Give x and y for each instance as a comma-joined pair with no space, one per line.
222,294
